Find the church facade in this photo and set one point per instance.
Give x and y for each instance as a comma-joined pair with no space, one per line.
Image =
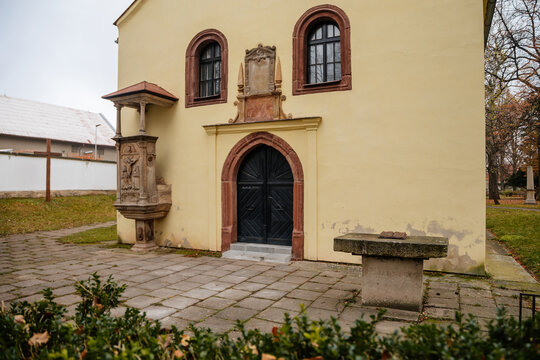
298,121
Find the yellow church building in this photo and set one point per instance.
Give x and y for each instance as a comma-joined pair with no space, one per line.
289,123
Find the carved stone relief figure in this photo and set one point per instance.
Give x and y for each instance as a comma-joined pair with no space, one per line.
128,172
135,177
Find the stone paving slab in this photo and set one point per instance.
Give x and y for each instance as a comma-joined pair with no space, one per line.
215,292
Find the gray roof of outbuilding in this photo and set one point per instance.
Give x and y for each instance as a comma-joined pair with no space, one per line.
39,120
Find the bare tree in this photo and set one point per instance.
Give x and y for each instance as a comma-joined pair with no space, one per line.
514,154
518,32
498,72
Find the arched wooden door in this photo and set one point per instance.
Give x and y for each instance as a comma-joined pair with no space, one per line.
265,198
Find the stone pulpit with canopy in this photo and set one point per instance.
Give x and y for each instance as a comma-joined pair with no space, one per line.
141,195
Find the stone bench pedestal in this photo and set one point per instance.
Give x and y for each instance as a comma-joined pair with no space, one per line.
392,269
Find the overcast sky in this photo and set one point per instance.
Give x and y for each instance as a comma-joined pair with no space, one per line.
60,51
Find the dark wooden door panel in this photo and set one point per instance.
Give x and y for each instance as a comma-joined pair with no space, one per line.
278,169
252,169
280,203
265,198
250,214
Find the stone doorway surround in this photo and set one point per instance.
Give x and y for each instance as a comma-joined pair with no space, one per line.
222,191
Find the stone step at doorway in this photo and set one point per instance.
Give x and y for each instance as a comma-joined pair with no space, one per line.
259,252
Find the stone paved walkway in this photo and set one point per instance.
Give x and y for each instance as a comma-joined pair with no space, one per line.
214,292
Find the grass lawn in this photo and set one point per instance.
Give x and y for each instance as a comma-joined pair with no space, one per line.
519,230
92,236
28,215
513,202
516,206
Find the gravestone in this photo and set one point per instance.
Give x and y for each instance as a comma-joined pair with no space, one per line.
530,186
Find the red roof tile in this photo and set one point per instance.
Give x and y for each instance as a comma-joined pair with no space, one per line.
141,87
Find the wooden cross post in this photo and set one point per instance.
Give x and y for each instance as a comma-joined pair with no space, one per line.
48,154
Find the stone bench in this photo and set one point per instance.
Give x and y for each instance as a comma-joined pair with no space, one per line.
392,269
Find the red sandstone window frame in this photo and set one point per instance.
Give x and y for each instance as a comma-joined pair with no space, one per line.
310,18
193,53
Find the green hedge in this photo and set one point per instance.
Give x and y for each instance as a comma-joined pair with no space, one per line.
40,330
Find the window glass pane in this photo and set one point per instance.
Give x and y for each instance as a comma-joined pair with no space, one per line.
312,77
336,31
337,51
330,72
217,87
329,30
201,89
338,72
330,52
217,69
312,59
320,52
319,73
217,51
318,33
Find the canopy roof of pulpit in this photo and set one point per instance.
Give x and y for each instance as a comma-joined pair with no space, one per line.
144,91
138,96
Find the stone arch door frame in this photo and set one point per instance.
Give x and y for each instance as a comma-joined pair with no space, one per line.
228,188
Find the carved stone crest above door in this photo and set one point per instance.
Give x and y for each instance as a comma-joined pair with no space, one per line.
259,92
